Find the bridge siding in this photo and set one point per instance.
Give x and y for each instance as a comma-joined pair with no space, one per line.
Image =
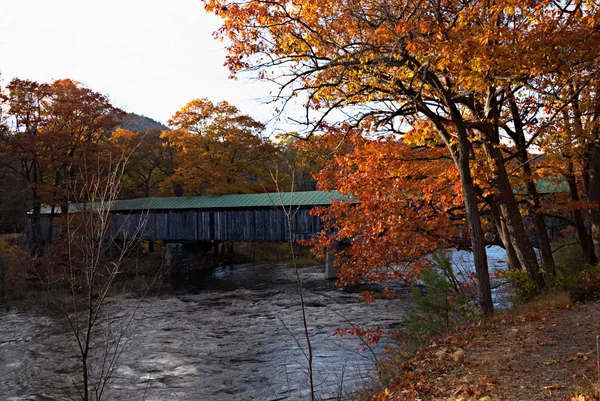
261,225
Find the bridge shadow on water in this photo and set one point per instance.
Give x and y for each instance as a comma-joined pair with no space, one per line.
258,276
251,276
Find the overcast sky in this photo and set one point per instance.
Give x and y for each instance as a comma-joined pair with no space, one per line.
150,57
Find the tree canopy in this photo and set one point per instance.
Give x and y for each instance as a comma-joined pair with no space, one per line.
488,80
218,150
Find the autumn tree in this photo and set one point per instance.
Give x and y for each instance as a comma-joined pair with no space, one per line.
80,123
572,154
149,163
474,71
218,150
23,105
296,162
50,128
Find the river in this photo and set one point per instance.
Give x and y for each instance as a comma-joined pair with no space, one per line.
233,333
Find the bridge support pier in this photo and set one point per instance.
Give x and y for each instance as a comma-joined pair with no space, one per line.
171,254
188,255
331,270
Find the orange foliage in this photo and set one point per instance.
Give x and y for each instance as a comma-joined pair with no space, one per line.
52,129
404,206
149,163
218,150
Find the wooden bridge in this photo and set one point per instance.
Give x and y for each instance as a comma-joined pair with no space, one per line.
220,218
217,218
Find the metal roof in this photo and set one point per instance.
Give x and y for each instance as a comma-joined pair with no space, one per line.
552,186
309,198
273,199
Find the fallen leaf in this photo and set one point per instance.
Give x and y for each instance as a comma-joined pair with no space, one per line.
552,387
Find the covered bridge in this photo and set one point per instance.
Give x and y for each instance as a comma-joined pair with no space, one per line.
220,218
192,226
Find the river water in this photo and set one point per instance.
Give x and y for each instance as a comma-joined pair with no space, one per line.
233,333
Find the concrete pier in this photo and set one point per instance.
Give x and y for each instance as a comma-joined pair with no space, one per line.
331,270
189,255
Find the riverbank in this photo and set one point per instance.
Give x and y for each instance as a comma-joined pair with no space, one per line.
544,350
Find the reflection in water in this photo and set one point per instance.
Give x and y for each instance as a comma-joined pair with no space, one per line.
234,333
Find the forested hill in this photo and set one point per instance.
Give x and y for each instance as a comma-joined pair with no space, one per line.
137,123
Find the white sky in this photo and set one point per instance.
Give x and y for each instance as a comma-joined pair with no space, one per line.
150,57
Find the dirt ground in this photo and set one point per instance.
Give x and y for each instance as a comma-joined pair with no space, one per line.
543,351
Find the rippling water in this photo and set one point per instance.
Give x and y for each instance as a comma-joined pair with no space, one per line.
231,334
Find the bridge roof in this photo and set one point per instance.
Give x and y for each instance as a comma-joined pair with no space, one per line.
308,198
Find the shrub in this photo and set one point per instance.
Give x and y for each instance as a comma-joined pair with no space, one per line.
579,279
440,304
570,264
523,288
13,271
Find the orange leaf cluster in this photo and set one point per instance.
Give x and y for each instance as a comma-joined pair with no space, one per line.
404,205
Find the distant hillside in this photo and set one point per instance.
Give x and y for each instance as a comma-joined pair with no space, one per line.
137,123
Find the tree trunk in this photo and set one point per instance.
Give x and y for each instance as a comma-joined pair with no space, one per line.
585,240
484,291
594,195
538,218
511,215
518,136
178,189
544,241
511,257
85,396
461,156
50,223
36,224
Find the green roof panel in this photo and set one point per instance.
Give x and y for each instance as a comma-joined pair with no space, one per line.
308,198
